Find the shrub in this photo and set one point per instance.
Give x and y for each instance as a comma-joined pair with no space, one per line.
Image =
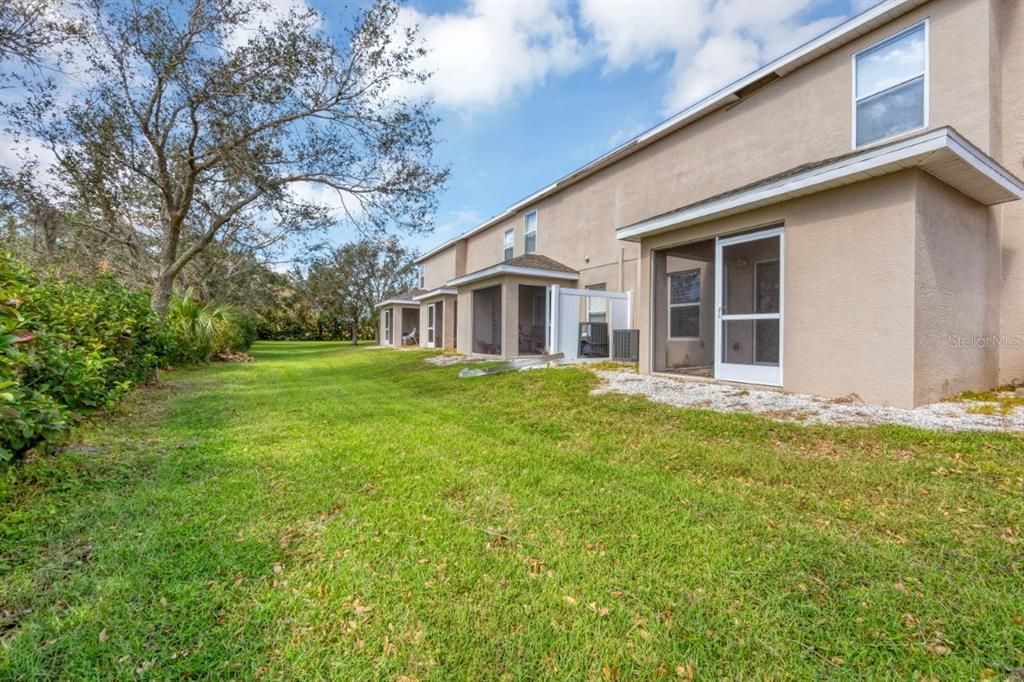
197,330
66,346
69,345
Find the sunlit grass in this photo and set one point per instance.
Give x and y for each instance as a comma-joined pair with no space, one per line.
330,512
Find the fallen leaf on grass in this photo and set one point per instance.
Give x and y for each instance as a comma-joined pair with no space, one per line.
685,672
278,569
938,649
103,635
599,610
571,601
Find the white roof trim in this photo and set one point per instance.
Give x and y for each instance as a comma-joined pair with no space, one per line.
849,30
397,301
502,269
942,152
440,291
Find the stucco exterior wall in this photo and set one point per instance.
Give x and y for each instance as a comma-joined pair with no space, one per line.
1007,66
957,282
440,268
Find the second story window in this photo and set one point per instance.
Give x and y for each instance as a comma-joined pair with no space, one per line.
420,276
509,248
890,86
530,231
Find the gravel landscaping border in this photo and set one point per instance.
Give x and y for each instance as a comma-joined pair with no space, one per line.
805,409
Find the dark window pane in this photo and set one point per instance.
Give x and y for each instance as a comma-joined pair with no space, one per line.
684,322
684,287
531,242
891,112
508,252
766,342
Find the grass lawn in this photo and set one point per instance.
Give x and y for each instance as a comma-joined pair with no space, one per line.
330,512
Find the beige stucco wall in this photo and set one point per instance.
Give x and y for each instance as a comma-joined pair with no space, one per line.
440,268
1008,147
957,282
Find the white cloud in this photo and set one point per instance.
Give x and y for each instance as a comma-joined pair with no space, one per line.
458,222
492,50
267,15
720,60
709,42
631,33
341,204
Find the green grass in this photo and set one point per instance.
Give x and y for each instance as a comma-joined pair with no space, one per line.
329,512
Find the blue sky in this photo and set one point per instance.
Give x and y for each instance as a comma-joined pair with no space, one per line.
528,91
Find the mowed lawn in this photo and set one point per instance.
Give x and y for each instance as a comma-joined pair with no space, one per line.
330,512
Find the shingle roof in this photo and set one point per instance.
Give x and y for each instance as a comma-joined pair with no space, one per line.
405,296
537,262
527,264
410,294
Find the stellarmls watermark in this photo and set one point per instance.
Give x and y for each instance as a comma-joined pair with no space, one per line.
1012,341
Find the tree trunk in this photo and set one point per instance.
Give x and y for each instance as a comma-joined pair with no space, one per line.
162,295
355,332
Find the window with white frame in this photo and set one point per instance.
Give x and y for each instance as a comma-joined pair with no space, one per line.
684,305
597,306
509,245
891,86
530,231
420,276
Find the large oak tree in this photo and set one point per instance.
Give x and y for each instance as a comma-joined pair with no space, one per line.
207,122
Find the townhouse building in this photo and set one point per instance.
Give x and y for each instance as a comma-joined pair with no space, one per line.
844,220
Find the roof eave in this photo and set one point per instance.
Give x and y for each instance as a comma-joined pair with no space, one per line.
396,301
499,270
434,293
943,153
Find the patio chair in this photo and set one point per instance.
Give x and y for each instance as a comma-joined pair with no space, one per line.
411,338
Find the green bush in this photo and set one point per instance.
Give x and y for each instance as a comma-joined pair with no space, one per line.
66,346
197,331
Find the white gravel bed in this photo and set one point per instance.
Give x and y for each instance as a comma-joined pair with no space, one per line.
446,359
806,409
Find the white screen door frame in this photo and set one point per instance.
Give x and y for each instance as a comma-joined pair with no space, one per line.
768,375
431,323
